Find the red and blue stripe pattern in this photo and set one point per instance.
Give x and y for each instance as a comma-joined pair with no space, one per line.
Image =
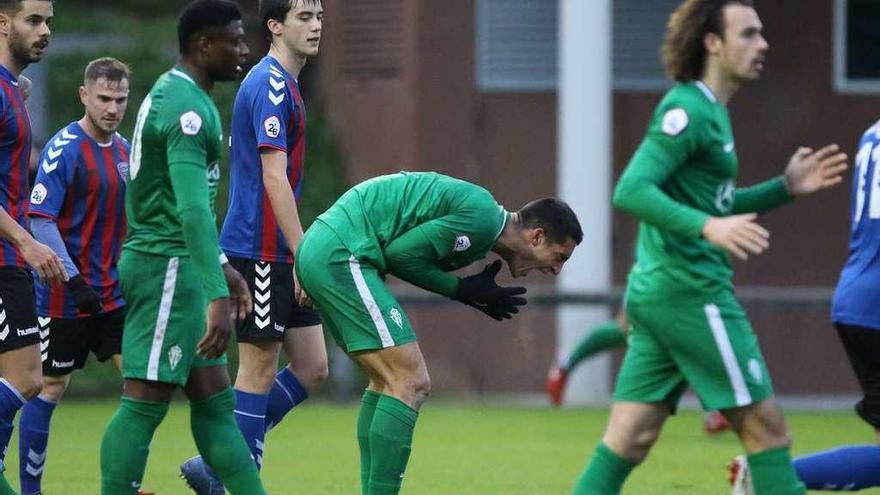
15,154
85,195
269,113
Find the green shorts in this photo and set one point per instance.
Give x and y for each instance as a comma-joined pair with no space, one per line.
166,318
707,344
356,306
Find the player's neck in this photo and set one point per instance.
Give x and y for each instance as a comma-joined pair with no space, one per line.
94,131
722,87
506,243
198,74
8,61
291,61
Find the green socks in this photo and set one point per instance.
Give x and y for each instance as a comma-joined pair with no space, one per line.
126,444
390,442
365,420
773,474
605,473
602,337
221,445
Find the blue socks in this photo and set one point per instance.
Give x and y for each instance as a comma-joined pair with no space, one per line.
33,437
11,401
845,468
256,414
284,396
250,414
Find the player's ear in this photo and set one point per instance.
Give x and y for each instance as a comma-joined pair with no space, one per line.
5,23
83,93
712,43
275,27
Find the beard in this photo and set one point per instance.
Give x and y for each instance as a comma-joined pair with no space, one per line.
21,52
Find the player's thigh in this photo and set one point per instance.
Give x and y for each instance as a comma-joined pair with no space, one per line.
20,362
363,312
205,381
306,345
107,341
718,353
65,344
166,317
862,345
649,373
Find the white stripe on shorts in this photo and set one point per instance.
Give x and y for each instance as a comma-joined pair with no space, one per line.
162,319
370,303
722,340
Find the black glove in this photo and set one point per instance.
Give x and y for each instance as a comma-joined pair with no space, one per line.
480,291
84,296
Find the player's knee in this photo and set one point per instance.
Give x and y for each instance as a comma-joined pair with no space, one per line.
30,387
420,388
311,375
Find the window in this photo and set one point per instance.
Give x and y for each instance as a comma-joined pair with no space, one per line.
856,38
517,44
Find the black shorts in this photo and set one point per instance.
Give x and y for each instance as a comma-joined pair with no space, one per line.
18,309
65,343
275,307
863,348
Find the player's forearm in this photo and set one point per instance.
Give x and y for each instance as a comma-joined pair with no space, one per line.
412,261
197,223
46,231
281,197
761,197
12,231
647,202
283,204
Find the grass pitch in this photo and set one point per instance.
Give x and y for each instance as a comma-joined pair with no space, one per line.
459,450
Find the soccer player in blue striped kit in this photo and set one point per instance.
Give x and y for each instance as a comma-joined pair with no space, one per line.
78,209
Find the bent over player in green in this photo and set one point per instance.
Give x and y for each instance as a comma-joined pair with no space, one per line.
417,227
170,268
686,326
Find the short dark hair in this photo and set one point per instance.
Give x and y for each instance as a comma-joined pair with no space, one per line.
683,51
555,217
107,67
276,10
200,16
12,6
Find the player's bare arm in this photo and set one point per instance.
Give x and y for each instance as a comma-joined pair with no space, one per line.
40,257
283,206
809,171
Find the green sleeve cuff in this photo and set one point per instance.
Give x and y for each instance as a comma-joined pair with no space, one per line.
761,197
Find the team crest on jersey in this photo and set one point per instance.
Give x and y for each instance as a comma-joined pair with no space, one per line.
38,195
190,123
396,316
122,168
272,126
674,121
174,356
462,243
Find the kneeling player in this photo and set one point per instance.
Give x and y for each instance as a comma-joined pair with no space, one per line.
77,208
417,227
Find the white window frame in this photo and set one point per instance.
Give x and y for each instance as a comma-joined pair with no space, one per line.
841,83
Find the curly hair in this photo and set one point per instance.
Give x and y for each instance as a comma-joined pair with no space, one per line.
683,51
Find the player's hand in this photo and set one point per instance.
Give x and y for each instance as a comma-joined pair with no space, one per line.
239,293
480,291
84,295
302,298
44,261
219,327
739,235
809,171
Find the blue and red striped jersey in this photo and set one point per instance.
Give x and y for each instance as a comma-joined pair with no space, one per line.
15,154
81,185
268,113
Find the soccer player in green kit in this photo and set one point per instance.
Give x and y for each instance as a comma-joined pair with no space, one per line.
686,327
178,295
417,227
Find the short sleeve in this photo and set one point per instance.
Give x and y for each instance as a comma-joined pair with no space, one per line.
55,172
272,110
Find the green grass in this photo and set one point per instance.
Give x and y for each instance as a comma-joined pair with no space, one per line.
459,450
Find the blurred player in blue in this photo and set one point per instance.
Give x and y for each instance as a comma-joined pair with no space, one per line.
24,38
855,312
262,230
78,209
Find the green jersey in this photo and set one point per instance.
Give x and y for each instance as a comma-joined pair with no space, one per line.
173,176
684,172
417,226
